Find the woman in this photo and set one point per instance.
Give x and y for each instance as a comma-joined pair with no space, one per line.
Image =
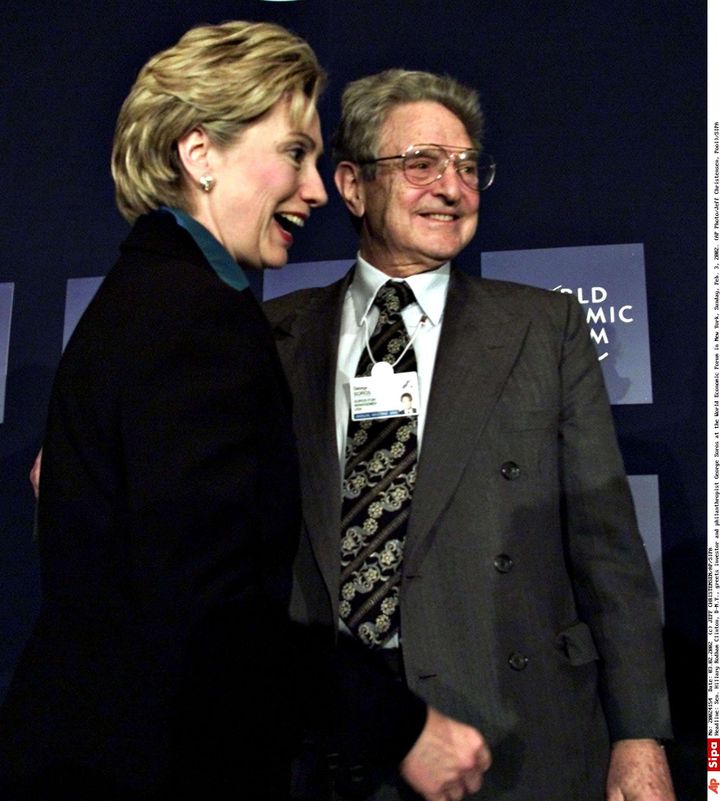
169,500
169,506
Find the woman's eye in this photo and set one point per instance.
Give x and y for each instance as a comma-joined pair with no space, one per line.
297,153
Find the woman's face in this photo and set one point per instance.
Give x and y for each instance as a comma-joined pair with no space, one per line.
266,182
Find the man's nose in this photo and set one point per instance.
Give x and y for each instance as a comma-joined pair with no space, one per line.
449,183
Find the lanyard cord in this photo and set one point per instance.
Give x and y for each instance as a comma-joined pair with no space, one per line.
420,325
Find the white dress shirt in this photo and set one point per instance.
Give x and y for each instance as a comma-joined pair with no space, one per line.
423,321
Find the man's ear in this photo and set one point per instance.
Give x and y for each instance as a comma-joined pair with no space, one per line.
193,149
350,185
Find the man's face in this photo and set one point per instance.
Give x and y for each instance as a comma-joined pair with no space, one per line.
411,229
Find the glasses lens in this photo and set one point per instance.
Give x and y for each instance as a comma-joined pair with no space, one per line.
425,164
485,171
476,170
468,167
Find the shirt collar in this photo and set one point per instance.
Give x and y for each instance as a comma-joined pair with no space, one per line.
227,269
429,288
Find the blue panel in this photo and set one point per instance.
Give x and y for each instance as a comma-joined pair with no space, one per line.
303,275
609,280
647,507
6,303
79,293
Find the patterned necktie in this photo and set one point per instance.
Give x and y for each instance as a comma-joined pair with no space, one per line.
380,468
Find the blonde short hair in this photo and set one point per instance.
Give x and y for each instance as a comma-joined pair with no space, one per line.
219,77
367,102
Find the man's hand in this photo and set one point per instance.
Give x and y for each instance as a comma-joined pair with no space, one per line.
447,761
35,474
639,771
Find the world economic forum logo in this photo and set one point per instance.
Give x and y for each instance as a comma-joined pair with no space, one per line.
603,316
609,283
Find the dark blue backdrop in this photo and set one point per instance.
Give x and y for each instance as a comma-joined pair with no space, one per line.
596,115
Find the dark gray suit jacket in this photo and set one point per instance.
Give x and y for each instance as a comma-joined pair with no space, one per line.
528,606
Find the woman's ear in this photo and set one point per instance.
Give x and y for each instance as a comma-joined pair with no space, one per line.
350,185
193,149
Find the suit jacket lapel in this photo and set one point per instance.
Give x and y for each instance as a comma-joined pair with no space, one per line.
312,377
477,349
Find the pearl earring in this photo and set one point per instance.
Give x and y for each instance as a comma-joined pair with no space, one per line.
207,182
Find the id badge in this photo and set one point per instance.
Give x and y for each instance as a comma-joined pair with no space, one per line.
384,394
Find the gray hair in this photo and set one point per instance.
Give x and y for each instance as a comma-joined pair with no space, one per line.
367,102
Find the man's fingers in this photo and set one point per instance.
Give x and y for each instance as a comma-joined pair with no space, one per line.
35,474
456,793
485,760
473,781
447,761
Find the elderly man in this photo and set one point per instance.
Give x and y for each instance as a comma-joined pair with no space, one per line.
484,542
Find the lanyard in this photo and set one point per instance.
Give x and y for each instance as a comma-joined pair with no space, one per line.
420,325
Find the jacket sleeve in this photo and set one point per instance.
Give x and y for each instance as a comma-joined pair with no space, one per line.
614,588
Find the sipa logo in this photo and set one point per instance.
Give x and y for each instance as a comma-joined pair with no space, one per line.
713,785
599,313
713,753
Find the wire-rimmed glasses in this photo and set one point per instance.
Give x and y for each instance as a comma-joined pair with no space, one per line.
424,164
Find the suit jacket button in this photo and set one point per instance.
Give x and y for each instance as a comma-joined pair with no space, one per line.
517,661
503,563
510,471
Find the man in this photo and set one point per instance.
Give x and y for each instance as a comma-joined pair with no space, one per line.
501,570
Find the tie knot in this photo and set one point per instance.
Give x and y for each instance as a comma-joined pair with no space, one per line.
393,296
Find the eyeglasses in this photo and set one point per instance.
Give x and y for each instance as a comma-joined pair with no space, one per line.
425,164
